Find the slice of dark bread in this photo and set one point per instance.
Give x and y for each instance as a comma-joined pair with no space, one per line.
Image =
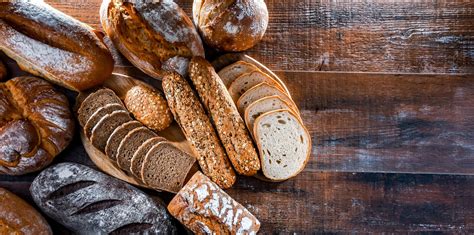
165,167
129,145
140,154
95,101
98,114
107,124
117,136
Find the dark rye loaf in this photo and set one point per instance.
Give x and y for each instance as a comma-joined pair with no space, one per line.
98,114
129,145
107,124
140,154
117,136
95,101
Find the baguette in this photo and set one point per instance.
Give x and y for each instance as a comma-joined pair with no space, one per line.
227,120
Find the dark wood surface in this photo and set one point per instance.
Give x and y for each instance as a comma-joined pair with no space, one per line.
392,152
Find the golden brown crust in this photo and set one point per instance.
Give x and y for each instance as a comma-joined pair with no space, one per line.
3,71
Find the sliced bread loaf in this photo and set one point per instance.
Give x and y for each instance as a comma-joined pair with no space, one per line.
283,142
107,124
233,71
95,101
260,91
129,145
98,114
140,154
246,81
117,136
165,167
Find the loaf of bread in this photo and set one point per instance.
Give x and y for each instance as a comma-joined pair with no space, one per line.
95,101
18,217
229,73
3,71
117,136
98,114
260,91
47,43
193,120
106,126
246,81
90,202
229,124
35,125
231,25
139,155
204,208
155,36
130,144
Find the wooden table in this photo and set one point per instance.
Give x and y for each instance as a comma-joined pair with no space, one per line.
387,92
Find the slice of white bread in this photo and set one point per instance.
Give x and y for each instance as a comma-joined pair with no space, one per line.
283,142
233,71
260,91
246,81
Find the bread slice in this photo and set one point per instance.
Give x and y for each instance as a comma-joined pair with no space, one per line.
95,101
284,144
117,136
235,70
246,81
129,145
264,105
98,114
165,167
107,124
260,91
140,154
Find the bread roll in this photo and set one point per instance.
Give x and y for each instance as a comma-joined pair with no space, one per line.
47,43
35,125
3,71
152,35
231,25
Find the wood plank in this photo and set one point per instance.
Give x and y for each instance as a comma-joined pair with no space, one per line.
376,36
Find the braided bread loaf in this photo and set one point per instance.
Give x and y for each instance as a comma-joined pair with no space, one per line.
35,125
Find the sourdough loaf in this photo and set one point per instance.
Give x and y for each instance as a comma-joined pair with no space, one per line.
227,120
246,81
98,114
94,101
107,124
260,91
140,154
229,73
129,145
117,136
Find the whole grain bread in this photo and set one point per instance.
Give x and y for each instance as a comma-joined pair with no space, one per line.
229,124
235,70
260,91
246,81
98,114
190,115
129,145
95,101
140,154
117,136
107,124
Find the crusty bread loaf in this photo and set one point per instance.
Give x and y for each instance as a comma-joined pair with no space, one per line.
231,25
246,81
47,43
229,73
35,125
117,136
107,124
140,154
3,71
190,115
153,35
129,145
98,114
95,101
283,142
89,202
260,91
18,217
227,120
204,208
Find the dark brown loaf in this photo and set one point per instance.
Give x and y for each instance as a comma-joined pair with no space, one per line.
140,154
35,125
50,44
129,145
104,128
117,136
98,114
3,71
190,115
153,35
95,101
229,124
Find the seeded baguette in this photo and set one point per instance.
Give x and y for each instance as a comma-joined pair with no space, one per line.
190,115
229,124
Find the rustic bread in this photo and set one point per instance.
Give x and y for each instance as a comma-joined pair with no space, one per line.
235,70
94,101
107,124
140,154
246,81
117,136
18,217
89,202
3,71
260,91
47,43
283,142
190,115
227,120
152,35
165,167
149,107
129,145
231,25
204,208
36,124
98,114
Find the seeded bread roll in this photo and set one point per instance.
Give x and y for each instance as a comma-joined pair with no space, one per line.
98,114
229,124
190,115
117,136
231,25
3,71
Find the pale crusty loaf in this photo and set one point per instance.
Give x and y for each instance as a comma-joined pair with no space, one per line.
246,81
229,73
259,91
190,115
117,136
129,145
98,114
95,101
204,208
227,120
140,154
107,124
3,71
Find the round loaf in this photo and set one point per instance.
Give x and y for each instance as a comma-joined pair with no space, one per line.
3,71
155,36
35,125
231,25
47,43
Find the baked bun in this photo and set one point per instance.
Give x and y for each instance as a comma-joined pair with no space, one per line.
3,71
35,125
47,43
155,36
231,25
